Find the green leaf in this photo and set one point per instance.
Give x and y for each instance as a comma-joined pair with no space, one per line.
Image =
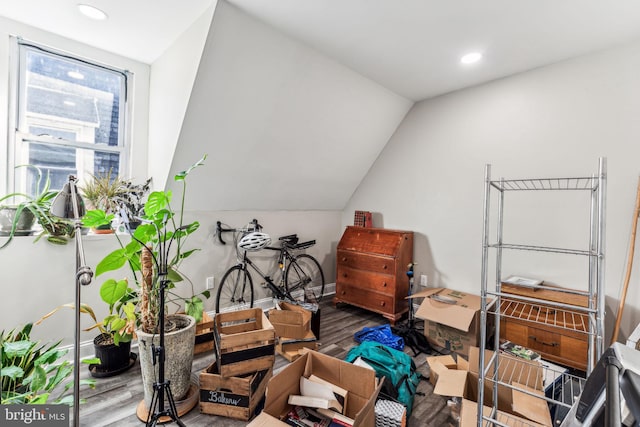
92,361
156,201
39,379
194,307
145,233
114,261
50,356
12,372
174,276
17,348
96,218
183,174
112,291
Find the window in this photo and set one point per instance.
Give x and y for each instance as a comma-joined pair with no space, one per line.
70,117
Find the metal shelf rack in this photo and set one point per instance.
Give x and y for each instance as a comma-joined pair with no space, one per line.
587,319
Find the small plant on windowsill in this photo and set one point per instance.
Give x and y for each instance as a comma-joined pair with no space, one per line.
116,196
18,217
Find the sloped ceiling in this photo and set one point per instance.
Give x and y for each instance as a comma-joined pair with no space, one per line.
285,127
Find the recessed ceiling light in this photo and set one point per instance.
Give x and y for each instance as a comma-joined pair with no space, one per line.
75,75
471,58
69,103
92,12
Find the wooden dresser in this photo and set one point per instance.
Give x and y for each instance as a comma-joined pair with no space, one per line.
559,335
372,265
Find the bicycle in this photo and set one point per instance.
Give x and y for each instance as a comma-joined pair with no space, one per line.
301,280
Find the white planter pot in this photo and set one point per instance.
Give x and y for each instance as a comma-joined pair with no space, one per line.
178,357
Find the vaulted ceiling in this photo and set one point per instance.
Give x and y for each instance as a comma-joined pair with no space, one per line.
294,100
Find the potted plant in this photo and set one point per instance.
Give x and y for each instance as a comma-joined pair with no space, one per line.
19,217
32,371
146,255
113,345
133,202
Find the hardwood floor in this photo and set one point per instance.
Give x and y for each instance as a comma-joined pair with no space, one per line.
114,400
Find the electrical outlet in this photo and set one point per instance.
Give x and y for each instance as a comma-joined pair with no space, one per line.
423,280
210,282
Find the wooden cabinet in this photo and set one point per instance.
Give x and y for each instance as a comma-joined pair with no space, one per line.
372,265
559,335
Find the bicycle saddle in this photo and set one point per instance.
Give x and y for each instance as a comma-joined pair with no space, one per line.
254,241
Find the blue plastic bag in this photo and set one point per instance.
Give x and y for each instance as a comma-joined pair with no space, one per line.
381,334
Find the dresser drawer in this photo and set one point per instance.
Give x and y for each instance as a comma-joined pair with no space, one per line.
544,341
554,344
378,264
366,280
365,298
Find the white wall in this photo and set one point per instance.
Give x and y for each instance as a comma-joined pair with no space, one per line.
553,121
285,127
172,77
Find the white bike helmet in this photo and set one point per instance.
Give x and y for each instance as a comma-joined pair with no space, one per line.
254,241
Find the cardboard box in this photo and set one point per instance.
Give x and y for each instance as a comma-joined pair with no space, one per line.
290,348
360,382
233,397
525,375
290,320
469,416
244,342
438,364
454,326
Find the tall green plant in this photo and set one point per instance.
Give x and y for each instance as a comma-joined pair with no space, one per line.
163,231
31,371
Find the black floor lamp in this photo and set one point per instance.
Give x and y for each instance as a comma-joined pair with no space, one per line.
69,205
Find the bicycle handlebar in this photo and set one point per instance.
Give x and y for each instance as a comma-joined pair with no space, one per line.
253,226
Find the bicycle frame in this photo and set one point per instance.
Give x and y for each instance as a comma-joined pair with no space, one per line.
278,292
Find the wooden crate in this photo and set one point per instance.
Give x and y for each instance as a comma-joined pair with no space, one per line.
233,397
244,342
204,335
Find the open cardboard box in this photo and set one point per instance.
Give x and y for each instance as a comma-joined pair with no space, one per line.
469,416
454,326
291,320
360,382
290,348
525,375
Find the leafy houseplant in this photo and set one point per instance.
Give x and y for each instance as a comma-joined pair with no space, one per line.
37,207
154,254
162,226
105,191
113,345
31,371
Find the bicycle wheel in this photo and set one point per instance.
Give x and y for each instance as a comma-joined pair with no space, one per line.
236,290
304,279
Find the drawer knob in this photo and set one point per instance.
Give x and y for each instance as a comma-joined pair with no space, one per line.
550,344
344,274
384,267
384,284
344,258
382,303
343,292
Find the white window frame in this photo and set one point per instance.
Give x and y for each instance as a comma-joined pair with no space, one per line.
19,137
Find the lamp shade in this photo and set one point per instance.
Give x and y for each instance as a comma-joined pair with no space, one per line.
62,205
